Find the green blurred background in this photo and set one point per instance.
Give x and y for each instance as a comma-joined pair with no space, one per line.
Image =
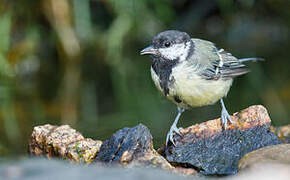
77,62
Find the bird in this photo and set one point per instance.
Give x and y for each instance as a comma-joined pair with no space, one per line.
192,72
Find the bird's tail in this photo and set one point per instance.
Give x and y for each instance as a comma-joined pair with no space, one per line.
251,59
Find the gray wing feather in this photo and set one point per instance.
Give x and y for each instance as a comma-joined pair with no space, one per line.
231,66
213,64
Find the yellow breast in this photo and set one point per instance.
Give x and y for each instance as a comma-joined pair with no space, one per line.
195,91
191,89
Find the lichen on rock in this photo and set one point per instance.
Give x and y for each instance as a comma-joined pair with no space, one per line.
62,141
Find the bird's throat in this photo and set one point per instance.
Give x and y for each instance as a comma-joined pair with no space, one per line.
163,69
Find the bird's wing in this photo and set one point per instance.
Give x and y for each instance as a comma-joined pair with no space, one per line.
229,66
216,63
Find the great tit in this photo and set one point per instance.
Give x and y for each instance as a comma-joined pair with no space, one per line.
192,72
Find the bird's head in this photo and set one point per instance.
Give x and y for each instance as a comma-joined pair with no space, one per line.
170,45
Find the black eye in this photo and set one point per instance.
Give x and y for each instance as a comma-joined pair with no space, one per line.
167,44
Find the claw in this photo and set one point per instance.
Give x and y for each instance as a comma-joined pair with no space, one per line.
173,128
225,116
170,134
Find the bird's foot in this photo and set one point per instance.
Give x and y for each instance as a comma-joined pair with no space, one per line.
171,132
225,117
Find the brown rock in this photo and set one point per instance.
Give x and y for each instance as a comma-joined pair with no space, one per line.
278,154
37,142
252,116
83,150
185,171
214,151
59,138
283,132
62,141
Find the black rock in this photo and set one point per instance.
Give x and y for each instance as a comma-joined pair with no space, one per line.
133,142
213,151
219,154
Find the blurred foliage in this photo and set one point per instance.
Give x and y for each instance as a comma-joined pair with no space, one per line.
77,62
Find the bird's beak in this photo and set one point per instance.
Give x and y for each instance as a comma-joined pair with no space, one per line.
149,50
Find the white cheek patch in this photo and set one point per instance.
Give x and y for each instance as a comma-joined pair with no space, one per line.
176,51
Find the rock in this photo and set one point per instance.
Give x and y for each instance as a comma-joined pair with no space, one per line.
283,132
62,141
131,147
265,171
279,154
203,147
213,151
128,147
37,142
83,150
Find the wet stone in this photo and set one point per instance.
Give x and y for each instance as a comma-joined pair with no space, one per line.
211,150
131,147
